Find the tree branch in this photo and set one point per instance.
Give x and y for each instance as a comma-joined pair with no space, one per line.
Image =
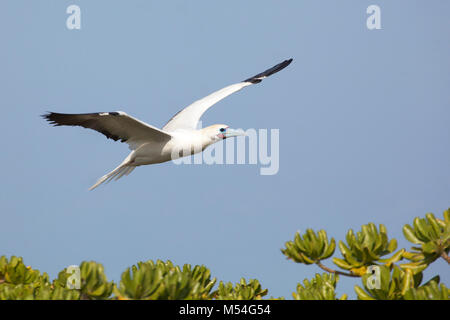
445,257
323,267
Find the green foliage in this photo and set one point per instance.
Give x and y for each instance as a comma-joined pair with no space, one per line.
163,280
322,287
363,255
310,248
15,272
19,282
93,282
365,248
433,237
431,291
29,292
390,287
241,291
18,292
399,284
139,282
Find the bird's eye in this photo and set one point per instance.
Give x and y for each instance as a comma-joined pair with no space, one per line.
222,129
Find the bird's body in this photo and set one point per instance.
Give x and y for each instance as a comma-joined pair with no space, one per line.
187,142
150,145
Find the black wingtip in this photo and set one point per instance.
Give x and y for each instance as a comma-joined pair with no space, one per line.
260,76
51,117
46,115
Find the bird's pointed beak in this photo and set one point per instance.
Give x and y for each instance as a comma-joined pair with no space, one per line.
234,133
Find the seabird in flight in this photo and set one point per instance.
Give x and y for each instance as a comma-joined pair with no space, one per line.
149,144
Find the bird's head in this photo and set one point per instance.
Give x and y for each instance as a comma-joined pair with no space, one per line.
219,132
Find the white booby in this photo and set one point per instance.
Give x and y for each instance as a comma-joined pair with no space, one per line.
149,145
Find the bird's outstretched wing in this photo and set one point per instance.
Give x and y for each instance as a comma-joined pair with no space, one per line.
189,116
114,125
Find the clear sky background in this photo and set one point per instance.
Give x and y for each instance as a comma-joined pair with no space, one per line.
363,118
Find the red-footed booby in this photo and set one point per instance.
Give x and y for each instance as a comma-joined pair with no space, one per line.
151,145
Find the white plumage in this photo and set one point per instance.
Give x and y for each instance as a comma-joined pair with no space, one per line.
149,145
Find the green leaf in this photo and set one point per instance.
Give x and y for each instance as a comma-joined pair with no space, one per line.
362,295
409,234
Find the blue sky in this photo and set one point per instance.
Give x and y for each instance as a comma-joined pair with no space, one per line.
363,119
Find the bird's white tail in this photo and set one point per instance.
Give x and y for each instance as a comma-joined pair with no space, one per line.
123,169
